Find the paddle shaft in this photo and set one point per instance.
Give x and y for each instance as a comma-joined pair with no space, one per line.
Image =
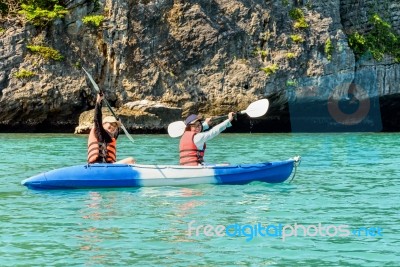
110,109
226,116
117,118
96,87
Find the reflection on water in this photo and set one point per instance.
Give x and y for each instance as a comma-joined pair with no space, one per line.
183,213
92,237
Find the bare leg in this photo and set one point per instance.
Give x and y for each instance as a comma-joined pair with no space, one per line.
129,160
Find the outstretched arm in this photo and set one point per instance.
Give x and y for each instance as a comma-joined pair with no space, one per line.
206,124
201,138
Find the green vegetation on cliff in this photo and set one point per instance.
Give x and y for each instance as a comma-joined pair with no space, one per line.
271,69
23,73
40,16
382,39
297,38
328,49
38,12
297,15
94,20
45,52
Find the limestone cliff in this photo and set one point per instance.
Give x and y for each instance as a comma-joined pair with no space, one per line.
160,60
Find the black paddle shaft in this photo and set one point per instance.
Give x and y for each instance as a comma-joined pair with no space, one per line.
112,111
224,117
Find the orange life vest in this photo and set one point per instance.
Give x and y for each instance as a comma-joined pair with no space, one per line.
101,152
189,154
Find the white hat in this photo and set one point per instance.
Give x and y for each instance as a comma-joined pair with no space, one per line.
112,119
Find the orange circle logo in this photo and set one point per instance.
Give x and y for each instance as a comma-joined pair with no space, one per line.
351,97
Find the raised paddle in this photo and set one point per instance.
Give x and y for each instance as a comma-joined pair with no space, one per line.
254,110
96,87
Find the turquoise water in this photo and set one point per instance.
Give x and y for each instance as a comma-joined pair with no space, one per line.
348,180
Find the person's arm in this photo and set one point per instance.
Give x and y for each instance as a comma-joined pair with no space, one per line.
101,133
200,138
98,127
116,134
205,124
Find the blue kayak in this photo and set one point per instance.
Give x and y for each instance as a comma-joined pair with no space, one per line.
121,175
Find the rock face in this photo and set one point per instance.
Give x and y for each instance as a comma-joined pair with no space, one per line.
159,61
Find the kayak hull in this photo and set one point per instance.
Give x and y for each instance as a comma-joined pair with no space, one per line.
122,175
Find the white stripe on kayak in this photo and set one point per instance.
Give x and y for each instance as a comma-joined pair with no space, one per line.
163,175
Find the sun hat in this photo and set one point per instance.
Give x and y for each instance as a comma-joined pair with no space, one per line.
192,119
111,119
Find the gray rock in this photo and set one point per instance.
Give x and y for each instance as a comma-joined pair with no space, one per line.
184,57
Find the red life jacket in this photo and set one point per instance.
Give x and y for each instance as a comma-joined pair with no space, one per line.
189,154
101,152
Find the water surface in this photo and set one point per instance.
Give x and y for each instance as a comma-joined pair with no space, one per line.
343,179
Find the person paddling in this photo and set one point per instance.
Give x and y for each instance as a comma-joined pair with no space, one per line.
193,141
102,142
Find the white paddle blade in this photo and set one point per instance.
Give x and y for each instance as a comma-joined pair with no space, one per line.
176,129
257,108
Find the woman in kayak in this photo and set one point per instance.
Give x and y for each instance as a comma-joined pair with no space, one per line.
193,141
102,143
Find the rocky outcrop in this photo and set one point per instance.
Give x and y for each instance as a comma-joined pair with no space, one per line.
208,57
